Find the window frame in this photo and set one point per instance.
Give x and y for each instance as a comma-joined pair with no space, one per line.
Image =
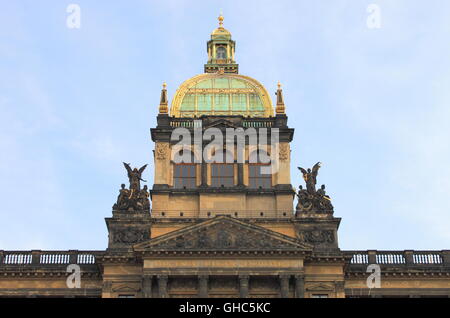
221,49
222,176
183,178
259,177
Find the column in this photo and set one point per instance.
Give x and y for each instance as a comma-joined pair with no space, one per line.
147,286
243,286
284,286
240,167
162,286
204,174
107,289
299,286
340,289
203,286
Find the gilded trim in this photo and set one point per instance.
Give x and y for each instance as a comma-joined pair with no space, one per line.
258,87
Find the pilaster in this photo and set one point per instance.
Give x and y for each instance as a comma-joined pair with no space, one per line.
243,286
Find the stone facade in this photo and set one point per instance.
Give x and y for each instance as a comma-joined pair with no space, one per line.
202,239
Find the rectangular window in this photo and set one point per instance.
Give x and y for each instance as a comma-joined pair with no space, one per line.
221,103
222,174
184,176
188,103
255,103
319,296
239,102
256,179
204,102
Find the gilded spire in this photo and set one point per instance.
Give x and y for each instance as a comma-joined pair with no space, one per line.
220,18
280,109
163,103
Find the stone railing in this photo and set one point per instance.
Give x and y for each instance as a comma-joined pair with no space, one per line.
246,123
259,123
49,257
400,258
184,122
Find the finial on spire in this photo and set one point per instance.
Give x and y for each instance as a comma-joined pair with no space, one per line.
280,109
220,18
163,103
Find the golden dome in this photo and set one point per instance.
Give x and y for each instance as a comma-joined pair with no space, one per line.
221,32
221,94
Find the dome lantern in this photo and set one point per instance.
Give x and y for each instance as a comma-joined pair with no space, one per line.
221,91
221,51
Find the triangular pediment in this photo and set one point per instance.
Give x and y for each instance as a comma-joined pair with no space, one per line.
320,287
221,123
123,288
223,233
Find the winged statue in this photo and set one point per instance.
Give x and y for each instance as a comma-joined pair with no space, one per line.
134,176
310,177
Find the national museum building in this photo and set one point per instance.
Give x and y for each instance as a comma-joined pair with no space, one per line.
216,224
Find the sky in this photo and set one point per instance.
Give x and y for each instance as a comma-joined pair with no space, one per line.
372,104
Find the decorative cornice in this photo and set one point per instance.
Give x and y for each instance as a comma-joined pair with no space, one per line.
218,253
120,259
401,274
42,272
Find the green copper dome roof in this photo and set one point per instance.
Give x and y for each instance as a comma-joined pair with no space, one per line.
221,94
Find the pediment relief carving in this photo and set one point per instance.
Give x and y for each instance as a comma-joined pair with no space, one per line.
125,288
320,287
223,233
221,123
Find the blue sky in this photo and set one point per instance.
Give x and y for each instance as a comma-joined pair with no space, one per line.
371,104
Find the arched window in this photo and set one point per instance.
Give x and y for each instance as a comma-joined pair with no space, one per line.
221,52
222,174
256,178
184,174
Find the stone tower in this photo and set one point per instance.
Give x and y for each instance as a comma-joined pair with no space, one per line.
222,200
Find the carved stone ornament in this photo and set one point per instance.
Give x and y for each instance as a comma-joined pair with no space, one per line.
161,151
125,288
284,152
131,235
318,202
317,236
219,237
320,287
133,201
224,233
